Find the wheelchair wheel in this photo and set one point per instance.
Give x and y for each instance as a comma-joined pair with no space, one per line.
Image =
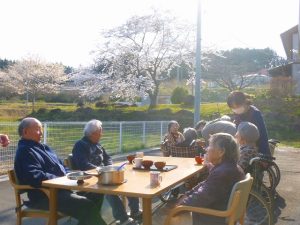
273,166
258,211
269,179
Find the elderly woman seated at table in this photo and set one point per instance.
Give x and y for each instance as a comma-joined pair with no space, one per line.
247,136
214,192
173,136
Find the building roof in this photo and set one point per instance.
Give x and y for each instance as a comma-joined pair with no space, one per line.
287,40
284,70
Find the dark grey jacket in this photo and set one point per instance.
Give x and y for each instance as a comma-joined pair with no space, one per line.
214,192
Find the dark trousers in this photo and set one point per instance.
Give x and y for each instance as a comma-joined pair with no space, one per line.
118,209
84,206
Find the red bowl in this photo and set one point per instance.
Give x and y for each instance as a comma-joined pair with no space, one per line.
160,164
130,158
147,164
199,159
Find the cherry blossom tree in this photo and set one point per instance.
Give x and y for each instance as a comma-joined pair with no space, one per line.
137,57
34,77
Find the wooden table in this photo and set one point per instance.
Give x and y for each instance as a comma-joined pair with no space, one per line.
137,185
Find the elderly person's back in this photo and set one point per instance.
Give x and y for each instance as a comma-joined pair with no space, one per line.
215,191
216,126
247,135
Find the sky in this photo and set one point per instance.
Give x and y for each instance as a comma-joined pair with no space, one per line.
67,31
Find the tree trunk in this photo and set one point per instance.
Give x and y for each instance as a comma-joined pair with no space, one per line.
33,103
153,97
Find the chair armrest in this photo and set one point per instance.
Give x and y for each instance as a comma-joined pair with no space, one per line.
19,187
207,211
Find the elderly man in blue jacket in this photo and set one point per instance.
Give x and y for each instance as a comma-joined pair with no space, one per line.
36,162
89,154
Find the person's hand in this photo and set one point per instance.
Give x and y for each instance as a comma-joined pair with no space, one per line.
4,140
180,200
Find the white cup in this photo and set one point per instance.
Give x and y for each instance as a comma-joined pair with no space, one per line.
155,178
205,156
137,162
139,154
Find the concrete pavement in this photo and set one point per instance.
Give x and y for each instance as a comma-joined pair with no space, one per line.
286,210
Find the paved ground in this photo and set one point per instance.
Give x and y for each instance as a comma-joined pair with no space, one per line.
287,209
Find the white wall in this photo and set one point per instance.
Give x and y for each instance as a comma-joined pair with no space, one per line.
296,76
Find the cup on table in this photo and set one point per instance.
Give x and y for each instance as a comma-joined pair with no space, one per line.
199,159
205,161
130,158
155,178
139,154
137,162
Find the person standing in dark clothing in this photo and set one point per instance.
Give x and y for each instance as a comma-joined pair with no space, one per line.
244,111
36,162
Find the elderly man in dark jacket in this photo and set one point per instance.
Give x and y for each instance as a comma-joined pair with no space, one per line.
36,162
89,154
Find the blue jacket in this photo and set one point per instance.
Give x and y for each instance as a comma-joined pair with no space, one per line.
34,163
87,155
254,116
214,192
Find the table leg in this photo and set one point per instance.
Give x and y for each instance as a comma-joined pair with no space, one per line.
53,206
147,211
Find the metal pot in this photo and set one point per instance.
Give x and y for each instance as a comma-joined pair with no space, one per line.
110,175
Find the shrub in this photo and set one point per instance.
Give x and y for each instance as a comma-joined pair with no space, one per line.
42,110
189,100
178,95
80,103
99,104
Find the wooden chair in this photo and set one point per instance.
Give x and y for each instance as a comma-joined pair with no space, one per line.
22,210
68,162
236,206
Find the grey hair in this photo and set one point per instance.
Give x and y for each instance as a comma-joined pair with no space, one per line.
226,143
249,132
92,126
190,133
225,118
25,123
171,123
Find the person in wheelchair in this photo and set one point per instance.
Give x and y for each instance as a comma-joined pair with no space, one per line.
214,192
247,135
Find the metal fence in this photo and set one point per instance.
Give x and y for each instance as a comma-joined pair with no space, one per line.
118,137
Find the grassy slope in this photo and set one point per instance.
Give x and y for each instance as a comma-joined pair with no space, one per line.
14,111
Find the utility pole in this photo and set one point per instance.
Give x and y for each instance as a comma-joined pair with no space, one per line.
198,67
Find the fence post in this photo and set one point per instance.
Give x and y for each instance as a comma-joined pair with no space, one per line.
120,139
161,131
144,133
45,133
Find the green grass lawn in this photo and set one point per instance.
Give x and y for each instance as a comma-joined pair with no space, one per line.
14,111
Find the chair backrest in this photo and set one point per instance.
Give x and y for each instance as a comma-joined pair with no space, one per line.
14,182
244,187
184,152
69,162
